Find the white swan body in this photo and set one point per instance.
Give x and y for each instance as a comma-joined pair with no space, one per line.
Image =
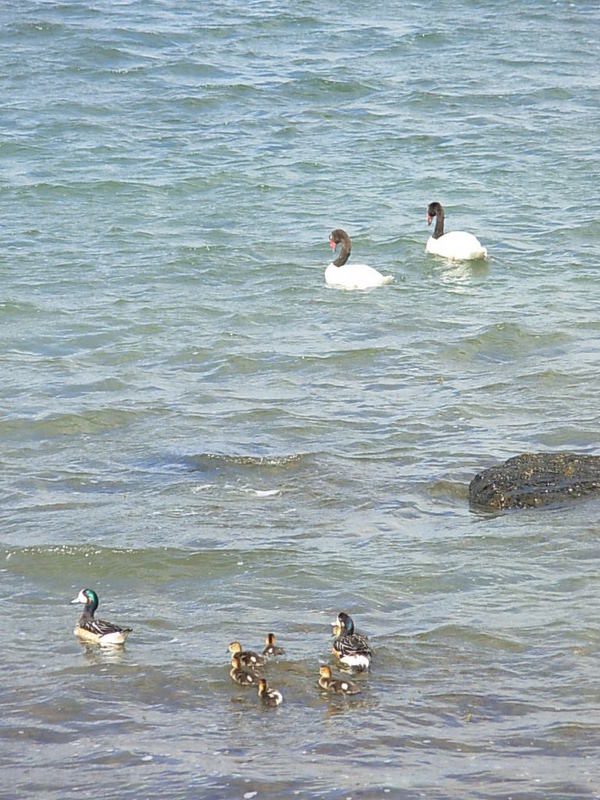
355,276
456,245
351,276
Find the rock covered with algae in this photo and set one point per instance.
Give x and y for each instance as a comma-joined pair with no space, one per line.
535,479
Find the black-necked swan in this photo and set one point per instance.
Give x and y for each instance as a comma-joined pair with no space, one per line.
350,276
457,245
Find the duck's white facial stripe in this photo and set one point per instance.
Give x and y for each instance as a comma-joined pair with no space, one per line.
81,598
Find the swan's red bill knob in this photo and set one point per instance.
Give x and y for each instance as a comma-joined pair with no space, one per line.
332,245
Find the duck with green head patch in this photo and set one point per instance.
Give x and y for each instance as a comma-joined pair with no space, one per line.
351,647
95,630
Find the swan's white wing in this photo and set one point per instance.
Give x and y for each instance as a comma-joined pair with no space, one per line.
355,276
458,245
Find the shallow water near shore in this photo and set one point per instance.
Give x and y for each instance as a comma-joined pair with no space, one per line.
195,426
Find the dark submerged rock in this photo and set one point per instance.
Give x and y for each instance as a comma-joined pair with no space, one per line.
534,479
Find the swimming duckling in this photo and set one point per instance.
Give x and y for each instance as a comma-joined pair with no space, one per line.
248,658
242,676
270,697
335,685
97,630
352,648
271,648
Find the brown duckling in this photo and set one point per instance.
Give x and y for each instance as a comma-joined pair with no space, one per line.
271,649
248,658
240,675
270,697
335,685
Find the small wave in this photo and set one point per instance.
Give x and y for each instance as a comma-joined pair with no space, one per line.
208,487
503,342
210,462
446,490
70,566
15,308
266,492
86,422
464,633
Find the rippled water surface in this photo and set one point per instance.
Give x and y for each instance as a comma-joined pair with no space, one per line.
194,425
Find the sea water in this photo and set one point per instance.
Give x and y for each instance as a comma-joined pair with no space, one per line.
195,426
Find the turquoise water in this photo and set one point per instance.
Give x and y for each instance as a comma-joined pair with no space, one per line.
194,425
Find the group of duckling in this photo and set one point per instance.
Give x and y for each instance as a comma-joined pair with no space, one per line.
351,648
245,666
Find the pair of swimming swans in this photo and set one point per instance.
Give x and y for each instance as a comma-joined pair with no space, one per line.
456,245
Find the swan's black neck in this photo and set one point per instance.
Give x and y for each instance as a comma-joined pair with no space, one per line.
344,253
439,224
